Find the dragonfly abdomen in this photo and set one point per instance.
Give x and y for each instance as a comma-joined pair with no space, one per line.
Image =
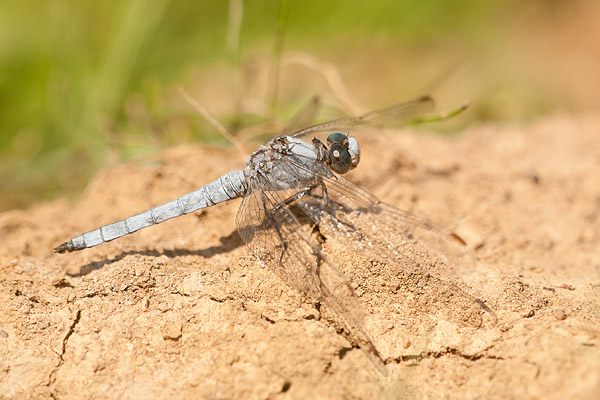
227,187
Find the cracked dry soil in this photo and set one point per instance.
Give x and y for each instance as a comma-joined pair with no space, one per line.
181,310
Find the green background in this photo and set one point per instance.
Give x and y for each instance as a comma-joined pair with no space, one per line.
84,84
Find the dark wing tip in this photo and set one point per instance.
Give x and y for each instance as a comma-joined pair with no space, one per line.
426,101
458,239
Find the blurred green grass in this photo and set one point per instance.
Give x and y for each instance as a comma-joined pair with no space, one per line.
80,80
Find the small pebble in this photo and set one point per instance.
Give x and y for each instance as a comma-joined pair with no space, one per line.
61,283
3,334
173,331
559,314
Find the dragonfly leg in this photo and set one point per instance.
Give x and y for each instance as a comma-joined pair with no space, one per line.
331,205
283,243
309,193
332,213
296,196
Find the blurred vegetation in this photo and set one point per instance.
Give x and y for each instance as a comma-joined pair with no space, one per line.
83,80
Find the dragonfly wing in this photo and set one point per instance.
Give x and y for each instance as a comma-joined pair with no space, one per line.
277,238
418,256
305,116
392,116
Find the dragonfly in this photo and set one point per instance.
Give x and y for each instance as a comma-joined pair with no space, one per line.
293,186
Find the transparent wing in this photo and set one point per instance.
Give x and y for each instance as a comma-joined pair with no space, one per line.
305,116
277,238
414,257
390,116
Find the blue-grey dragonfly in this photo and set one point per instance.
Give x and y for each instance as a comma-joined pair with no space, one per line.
291,186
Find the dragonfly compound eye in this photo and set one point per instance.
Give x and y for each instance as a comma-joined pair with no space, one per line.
339,158
337,138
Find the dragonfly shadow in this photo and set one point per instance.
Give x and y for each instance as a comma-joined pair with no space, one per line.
228,243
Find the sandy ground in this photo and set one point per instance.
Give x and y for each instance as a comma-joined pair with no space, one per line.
182,310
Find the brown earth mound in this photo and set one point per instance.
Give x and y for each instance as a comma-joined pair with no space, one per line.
182,310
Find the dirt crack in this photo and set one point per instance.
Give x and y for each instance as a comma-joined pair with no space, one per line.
52,376
441,353
220,299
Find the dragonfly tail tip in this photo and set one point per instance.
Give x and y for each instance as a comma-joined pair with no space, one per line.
63,248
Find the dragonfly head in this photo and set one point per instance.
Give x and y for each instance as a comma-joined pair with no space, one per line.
344,153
